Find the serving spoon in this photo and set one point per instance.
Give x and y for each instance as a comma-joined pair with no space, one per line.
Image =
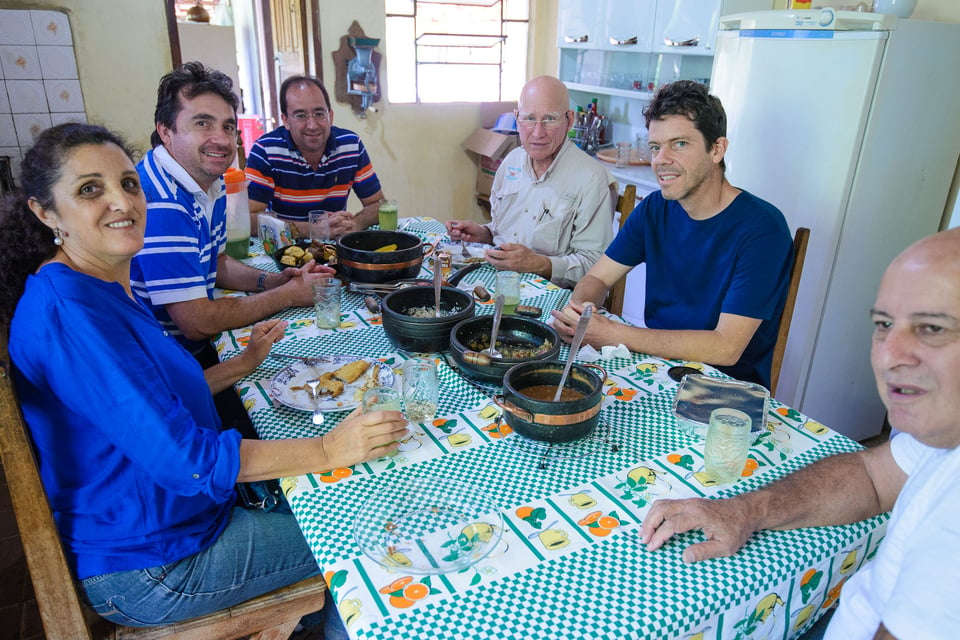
495,329
437,284
574,347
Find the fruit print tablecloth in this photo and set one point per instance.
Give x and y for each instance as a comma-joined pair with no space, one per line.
569,563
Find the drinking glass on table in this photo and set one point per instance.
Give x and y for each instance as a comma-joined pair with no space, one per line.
326,302
388,214
421,391
381,399
508,285
319,222
728,444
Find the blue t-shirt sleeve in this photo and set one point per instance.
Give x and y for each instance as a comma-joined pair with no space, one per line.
628,247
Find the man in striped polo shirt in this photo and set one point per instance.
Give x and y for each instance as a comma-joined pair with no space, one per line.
183,256
308,164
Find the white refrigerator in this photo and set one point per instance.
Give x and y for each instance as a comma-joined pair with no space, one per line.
850,124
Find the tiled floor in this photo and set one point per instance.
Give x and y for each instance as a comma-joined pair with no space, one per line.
19,617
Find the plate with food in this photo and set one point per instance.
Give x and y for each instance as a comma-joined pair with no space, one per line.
343,380
297,255
475,249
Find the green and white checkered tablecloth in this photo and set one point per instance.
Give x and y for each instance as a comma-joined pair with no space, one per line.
556,572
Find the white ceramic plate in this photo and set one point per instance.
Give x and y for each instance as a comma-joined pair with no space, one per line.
475,249
428,526
289,386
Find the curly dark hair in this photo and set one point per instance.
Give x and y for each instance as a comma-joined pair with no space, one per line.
292,80
192,79
693,100
26,242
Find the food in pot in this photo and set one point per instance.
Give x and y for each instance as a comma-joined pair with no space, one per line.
386,247
511,350
546,393
427,312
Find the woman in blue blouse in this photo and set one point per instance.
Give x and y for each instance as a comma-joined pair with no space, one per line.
139,475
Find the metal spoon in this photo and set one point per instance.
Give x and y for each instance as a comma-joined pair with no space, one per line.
437,284
574,347
317,415
497,315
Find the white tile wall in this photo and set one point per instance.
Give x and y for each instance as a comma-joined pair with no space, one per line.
39,83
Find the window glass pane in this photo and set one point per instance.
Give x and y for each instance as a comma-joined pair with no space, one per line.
458,83
402,7
514,60
401,67
441,18
516,9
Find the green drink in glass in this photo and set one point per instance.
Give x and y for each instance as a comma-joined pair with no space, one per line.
388,214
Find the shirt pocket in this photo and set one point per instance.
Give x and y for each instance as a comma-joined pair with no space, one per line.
554,228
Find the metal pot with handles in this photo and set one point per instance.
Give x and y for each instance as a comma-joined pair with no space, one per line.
528,405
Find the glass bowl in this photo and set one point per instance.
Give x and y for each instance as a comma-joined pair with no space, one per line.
428,526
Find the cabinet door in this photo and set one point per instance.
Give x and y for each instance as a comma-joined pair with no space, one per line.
579,24
628,25
687,27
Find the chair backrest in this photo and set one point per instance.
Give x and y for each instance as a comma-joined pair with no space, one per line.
800,240
63,614
625,205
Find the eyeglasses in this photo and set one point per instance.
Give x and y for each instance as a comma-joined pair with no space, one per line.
318,114
549,122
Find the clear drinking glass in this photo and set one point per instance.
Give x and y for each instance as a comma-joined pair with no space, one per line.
388,213
623,154
421,391
508,284
319,227
381,399
326,302
728,444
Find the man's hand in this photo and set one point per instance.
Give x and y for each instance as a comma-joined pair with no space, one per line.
262,338
363,436
600,330
725,524
516,257
468,231
342,223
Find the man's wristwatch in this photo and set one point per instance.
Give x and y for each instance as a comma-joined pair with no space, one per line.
262,281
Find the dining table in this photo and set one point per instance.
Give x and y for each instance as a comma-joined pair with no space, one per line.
558,525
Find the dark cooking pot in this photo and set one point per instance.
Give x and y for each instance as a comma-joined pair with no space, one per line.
424,334
469,336
359,261
544,419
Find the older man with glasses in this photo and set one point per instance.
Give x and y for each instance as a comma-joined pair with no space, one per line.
551,204
308,164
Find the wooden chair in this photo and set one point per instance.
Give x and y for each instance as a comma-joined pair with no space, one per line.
800,240
272,616
625,205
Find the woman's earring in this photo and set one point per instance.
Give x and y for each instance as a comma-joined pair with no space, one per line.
57,237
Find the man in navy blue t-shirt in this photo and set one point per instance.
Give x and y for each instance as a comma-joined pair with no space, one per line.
718,258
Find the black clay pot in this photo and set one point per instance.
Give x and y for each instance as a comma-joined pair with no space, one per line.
469,336
427,335
359,261
546,420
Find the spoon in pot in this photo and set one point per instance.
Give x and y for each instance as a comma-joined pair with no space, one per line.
497,315
437,283
574,347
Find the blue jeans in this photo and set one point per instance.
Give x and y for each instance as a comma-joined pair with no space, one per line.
257,553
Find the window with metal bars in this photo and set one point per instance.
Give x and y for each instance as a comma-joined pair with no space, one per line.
456,50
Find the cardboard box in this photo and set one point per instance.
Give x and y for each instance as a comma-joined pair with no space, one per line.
489,148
